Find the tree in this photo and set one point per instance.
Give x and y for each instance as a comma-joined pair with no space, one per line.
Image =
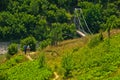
93,17
12,49
62,16
6,22
69,5
41,29
112,22
31,41
22,18
56,33
3,5
68,31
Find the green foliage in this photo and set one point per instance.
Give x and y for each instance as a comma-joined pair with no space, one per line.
67,4
41,30
19,19
94,63
56,33
28,70
68,31
68,64
31,41
42,60
61,32
114,78
44,43
8,56
112,22
11,69
3,76
12,49
82,64
52,20
3,4
13,61
95,40
19,59
94,17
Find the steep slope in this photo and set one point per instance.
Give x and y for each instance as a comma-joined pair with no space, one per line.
86,63
70,60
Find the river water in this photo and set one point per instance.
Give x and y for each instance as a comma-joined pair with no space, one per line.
3,47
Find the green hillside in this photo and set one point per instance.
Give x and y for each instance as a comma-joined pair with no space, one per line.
90,60
56,51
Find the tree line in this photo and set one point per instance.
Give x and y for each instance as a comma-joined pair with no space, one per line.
53,19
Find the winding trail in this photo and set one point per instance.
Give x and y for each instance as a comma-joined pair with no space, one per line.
29,57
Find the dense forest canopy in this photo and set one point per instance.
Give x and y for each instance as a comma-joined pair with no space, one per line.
53,19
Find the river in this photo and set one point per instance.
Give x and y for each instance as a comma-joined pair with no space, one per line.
3,47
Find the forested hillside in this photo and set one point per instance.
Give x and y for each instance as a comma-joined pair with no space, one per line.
48,19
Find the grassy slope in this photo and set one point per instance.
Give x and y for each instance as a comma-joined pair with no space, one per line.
2,58
90,63
100,62
20,68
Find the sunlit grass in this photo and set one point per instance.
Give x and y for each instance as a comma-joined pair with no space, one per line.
89,61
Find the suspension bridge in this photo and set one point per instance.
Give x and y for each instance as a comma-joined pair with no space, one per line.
81,25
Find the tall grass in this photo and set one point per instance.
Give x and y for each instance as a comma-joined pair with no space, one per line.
100,62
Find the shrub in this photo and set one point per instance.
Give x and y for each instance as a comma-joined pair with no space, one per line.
44,43
95,40
12,49
18,58
68,64
31,41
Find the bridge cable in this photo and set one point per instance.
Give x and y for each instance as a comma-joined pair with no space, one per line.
79,22
85,22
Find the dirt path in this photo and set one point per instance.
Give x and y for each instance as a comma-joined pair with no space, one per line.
56,76
29,57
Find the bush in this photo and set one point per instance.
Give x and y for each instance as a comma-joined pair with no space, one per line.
95,40
44,43
18,58
31,41
12,49
68,64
